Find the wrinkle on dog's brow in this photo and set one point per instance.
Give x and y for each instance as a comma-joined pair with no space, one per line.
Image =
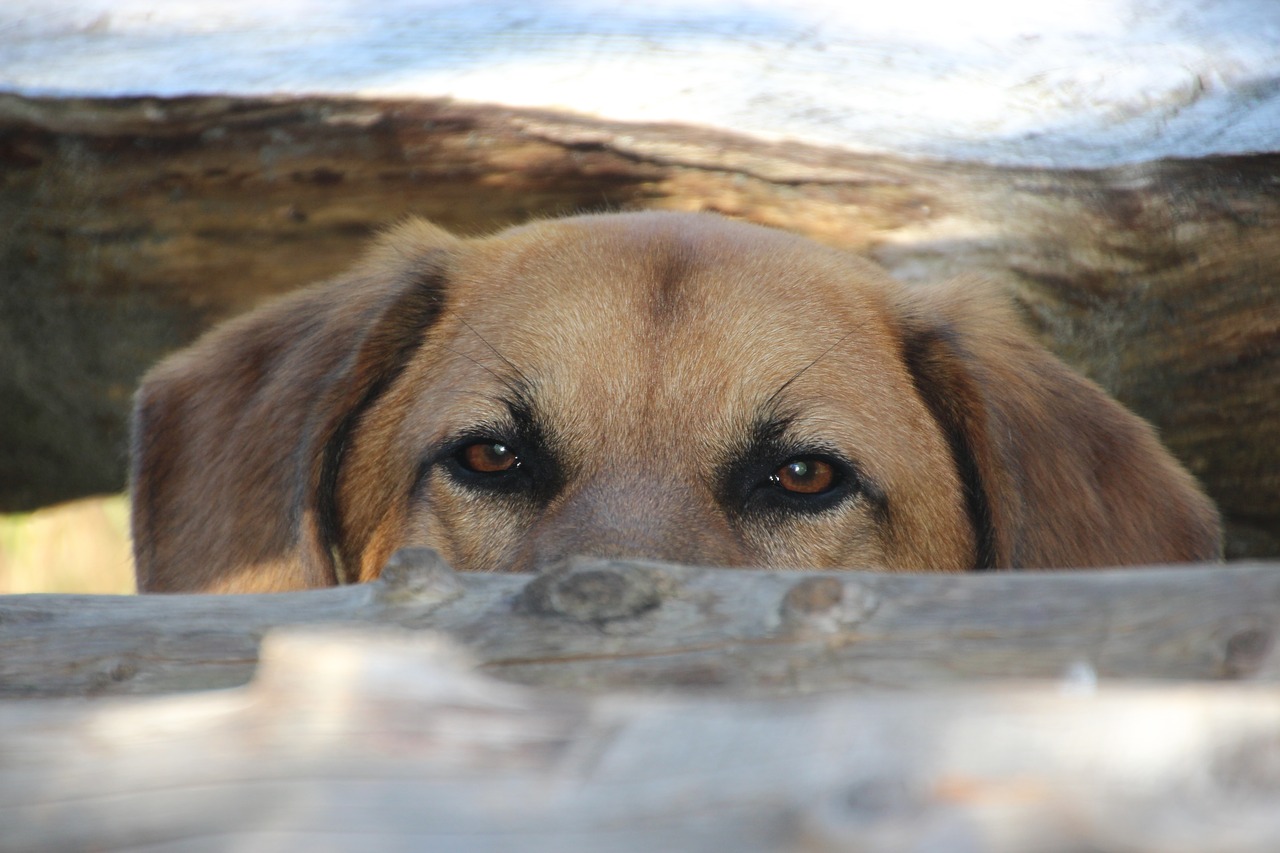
670,273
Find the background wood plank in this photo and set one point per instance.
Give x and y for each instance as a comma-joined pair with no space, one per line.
135,223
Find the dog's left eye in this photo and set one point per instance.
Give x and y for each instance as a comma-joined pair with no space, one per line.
803,483
487,457
805,476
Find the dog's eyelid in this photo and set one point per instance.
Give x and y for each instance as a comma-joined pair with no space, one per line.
488,457
507,456
808,475
789,474
484,463
447,449
479,434
840,469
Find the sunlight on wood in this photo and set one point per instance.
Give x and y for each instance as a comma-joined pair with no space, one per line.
78,547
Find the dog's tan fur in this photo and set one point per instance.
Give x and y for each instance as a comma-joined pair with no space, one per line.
650,354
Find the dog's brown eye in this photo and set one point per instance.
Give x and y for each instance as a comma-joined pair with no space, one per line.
488,457
807,476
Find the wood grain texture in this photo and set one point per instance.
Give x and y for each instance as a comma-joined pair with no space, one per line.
136,223
357,740
605,624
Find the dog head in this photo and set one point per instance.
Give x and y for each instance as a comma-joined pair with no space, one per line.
657,385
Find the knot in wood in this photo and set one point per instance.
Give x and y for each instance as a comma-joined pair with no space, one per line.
826,604
1245,652
418,576
112,672
592,592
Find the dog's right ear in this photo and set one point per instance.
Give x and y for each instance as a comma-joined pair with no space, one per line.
235,439
1057,474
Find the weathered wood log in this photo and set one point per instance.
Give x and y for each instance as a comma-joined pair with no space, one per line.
352,740
133,224
600,624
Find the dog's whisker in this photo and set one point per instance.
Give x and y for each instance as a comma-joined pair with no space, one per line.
483,367
528,383
768,404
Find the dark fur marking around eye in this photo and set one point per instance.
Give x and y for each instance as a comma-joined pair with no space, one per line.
748,486
540,475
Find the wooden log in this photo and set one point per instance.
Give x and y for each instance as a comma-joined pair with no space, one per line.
358,740
606,624
135,223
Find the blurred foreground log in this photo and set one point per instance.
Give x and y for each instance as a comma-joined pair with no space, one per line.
603,624
134,224
799,712
359,741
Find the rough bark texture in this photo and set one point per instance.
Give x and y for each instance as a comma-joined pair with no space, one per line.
134,224
624,625
353,741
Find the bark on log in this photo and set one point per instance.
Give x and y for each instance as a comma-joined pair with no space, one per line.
601,624
356,741
133,224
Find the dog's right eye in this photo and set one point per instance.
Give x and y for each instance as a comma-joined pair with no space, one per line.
487,457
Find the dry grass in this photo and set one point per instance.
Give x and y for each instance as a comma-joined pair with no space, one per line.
76,547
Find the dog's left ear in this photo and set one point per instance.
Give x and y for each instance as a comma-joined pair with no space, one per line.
1057,473
237,440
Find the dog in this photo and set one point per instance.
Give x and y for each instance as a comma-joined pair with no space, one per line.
678,387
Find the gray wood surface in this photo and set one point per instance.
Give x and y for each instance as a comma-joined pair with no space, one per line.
623,625
366,739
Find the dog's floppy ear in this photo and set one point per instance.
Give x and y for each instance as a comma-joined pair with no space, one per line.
1057,473
236,440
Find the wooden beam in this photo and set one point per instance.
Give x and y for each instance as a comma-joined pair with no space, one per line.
607,624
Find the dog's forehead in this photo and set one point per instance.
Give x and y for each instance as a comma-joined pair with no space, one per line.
655,249
665,273
685,324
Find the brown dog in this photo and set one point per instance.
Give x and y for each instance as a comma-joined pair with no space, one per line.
658,385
